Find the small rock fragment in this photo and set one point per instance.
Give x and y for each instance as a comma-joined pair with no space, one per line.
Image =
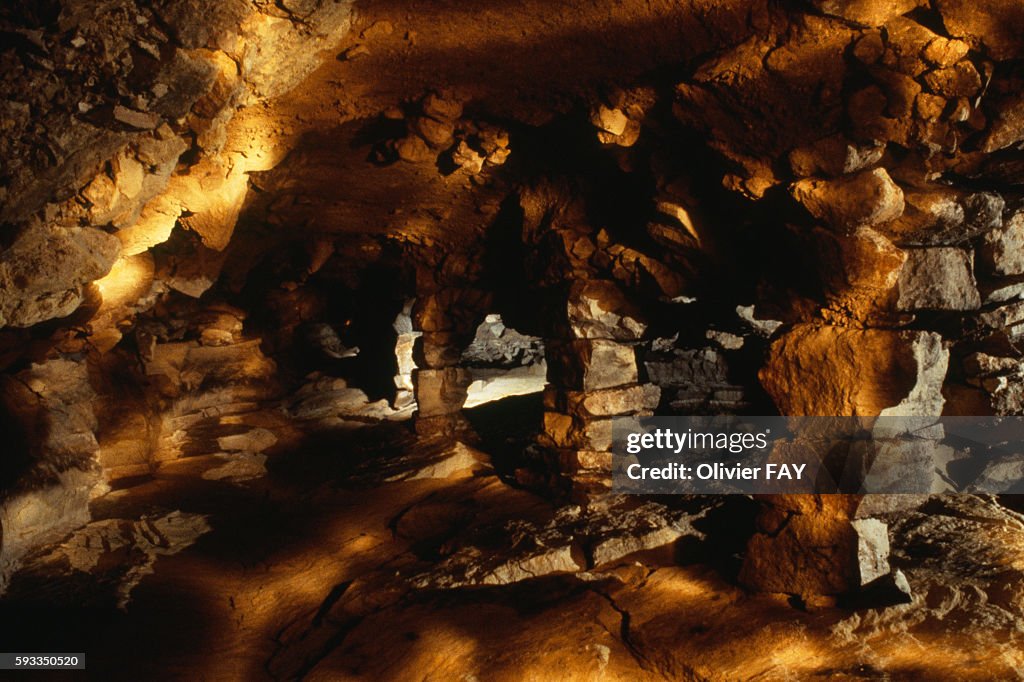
136,119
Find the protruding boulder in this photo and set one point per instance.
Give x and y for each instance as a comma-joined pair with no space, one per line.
836,371
860,270
866,12
777,557
834,156
938,215
845,204
872,549
943,52
589,364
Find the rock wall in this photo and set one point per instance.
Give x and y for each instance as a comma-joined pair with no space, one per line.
117,119
214,212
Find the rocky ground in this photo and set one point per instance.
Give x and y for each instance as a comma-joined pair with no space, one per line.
377,556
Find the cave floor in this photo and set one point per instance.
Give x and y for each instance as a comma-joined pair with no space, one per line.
325,569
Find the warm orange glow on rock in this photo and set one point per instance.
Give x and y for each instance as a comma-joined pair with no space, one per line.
129,279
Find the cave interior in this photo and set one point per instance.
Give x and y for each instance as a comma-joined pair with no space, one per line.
316,315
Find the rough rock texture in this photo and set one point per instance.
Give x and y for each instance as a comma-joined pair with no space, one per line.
55,480
243,243
1002,250
833,371
43,273
838,372
861,200
867,12
938,279
166,83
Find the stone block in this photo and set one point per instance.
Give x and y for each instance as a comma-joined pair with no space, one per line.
586,364
441,392
939,278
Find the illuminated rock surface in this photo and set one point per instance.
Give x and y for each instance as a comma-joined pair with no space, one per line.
315,317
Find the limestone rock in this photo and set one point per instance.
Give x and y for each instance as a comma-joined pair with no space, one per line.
598,309
33,518
413,149
834,156
962,80
139,542
441,106
588,364
186,265
43,272
136,119
835,371
436,134
496,345
940,216
253,441
994,28
154,226
237,467
325,397
214,217
441,392
52,405
1002,251
277,53
762,327
695,381
637,270
467,158
188,366
938,279
860,271
218,17
459,460
581,434
776,559
931,360
607,402
872,549
578,461
624,532
862,200
609,120
1007,126
944,52
866,12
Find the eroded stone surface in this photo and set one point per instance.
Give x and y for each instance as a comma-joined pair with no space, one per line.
821,370
938,279
862,200
1003,249
145,151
